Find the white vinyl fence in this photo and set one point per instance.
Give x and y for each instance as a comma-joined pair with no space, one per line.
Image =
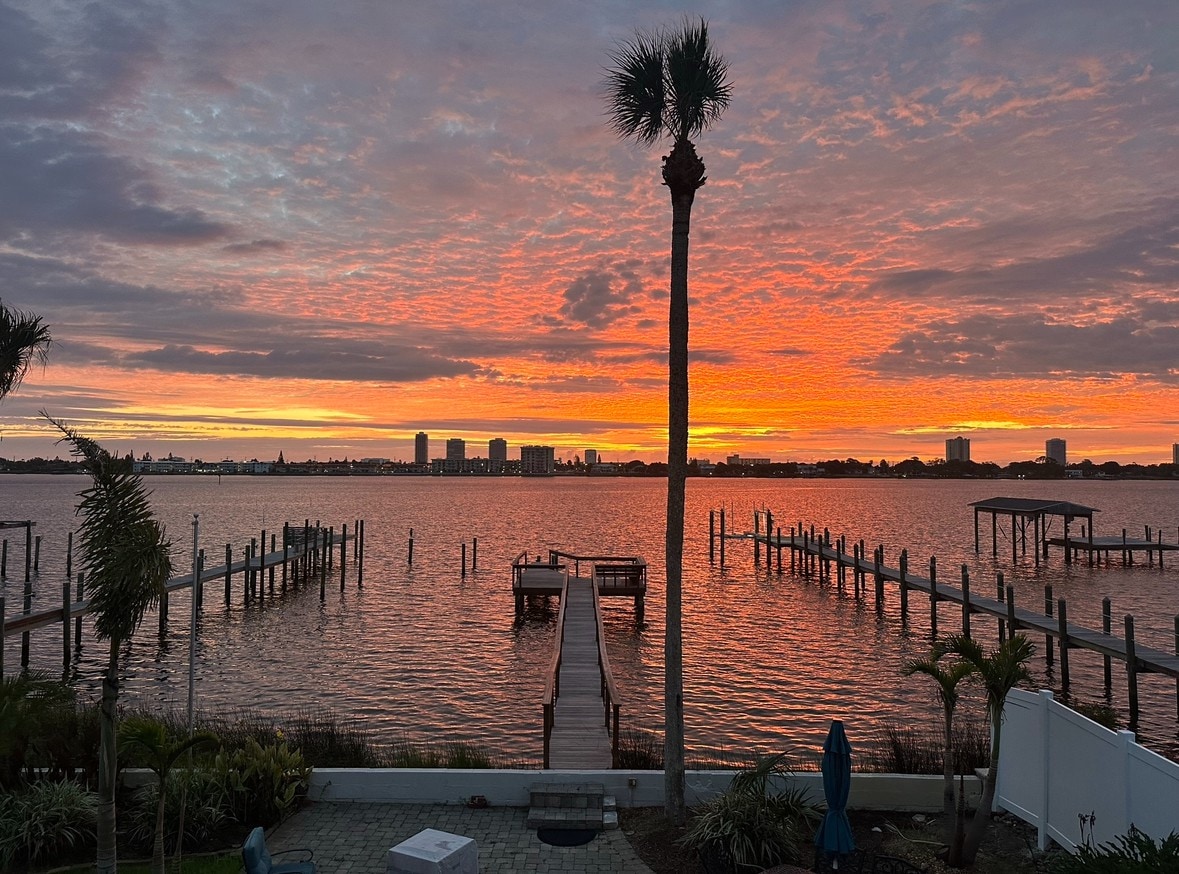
1056,766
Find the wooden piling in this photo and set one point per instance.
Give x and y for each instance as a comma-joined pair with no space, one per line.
933,597
463,560
70,555
360,554
410,546
78,621
1131,673
228,573
2,619
1107,628
37,555
1048,659
711,536
343,553
904,586
1062,625
966,600
1011,625
323,568
65,625
999,591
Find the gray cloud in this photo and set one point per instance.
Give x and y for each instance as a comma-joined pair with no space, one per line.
601,297
1017,347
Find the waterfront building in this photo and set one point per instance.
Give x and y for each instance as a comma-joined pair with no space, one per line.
1054,450
1175,453
497,454
456,449
958,449
591,456
537,460
737,460
421,448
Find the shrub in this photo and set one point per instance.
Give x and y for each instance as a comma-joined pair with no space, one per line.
1132,853
265,783
43,820
748,827
206,809
904,750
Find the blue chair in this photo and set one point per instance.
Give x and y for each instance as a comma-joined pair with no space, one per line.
257,858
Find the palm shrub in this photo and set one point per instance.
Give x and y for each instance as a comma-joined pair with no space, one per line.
1132,853
43,820
31,707
206,803
752,825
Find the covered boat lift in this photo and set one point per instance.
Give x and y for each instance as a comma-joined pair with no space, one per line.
1034,510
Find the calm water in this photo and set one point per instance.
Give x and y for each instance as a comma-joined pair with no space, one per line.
420,651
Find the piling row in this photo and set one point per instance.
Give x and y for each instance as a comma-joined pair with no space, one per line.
307,555
814,555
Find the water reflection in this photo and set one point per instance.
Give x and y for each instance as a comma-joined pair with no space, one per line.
769,658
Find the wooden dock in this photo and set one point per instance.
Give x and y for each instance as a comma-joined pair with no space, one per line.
581,707
308,553
817,555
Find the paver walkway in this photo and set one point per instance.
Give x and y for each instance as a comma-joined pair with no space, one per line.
353,838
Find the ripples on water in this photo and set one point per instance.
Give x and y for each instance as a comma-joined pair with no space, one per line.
769,659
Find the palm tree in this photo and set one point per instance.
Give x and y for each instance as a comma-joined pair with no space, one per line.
161,752
672,84
125,557
23,339
999,671
947,680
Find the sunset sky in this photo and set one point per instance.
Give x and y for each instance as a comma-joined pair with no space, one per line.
319,227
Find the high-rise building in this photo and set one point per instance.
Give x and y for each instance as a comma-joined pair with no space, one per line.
421,448
1175,453
591,457
958,449
1054,450
456,449
497,449
537,460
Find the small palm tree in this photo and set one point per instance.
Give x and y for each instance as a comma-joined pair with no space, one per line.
999,671
160,752
672,85
23,340
125,557
947,680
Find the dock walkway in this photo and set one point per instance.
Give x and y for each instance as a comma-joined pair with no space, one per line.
579,738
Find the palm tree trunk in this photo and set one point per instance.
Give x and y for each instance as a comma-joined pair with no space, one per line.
982,816
108,767
157,850
948,769
677,468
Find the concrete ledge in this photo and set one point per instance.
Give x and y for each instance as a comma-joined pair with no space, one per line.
510,788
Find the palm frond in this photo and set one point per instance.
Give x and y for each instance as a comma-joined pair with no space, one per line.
666,84
24,338
697,81
634,88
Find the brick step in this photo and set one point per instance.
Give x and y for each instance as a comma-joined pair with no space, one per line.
571,805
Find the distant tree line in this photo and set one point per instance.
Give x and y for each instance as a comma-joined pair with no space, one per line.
910,468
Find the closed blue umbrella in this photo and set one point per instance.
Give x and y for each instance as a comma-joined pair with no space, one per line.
834,837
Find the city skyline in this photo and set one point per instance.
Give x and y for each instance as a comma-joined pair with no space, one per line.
260,230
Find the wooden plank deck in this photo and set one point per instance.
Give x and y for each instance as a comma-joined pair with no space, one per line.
579,739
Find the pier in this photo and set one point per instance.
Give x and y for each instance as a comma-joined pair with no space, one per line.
816,555
1023,511
581,705
308,553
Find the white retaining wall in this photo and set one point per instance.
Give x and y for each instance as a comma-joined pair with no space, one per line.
509,788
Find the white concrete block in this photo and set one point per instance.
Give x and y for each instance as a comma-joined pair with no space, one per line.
434,852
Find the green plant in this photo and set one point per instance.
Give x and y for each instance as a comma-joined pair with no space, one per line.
1132,853
1103,714
31,706
751,825
43,819
206,810
266,783
159,750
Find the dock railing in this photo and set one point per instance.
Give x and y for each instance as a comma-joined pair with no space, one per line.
611,703
552,687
